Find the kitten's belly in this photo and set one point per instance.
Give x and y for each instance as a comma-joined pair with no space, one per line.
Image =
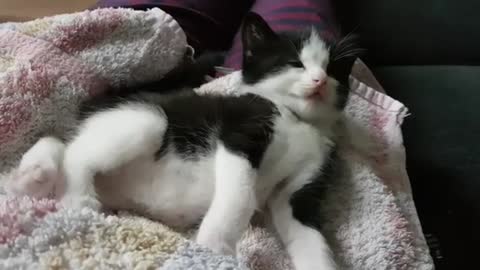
174,191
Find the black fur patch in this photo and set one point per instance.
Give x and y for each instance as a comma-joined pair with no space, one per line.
243,124
343,54
266,52
196,123
306,202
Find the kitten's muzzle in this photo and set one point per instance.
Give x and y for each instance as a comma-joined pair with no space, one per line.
319,91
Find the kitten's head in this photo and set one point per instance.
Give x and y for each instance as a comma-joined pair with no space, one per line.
300,70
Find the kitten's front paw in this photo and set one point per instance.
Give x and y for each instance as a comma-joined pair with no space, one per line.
214,242
79,202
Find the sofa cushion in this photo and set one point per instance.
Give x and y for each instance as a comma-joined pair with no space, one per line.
415,32
443,150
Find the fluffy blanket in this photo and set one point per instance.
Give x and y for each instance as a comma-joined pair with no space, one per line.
48,66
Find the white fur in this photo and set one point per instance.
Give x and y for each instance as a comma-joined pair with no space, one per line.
291,86
306,246
233,205
111,162
172,190
109,140
38,173
116,155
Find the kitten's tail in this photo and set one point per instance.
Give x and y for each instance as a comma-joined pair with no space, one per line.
190,74
193,74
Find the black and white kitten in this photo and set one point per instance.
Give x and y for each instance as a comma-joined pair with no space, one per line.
186,158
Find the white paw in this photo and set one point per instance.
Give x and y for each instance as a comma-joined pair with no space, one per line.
36,180
70,201
215,242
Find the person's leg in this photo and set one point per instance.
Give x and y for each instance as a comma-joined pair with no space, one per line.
210,25
289,16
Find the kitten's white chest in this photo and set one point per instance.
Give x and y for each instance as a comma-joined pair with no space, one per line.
297,147
173,190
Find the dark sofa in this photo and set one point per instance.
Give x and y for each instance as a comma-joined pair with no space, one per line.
426,53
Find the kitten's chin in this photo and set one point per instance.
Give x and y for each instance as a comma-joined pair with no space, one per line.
319,112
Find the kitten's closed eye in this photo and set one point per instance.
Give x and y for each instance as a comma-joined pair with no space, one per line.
296,63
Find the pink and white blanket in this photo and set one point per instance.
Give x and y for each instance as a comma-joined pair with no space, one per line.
49,65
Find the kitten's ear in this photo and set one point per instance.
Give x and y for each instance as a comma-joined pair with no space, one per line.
255,32
343,54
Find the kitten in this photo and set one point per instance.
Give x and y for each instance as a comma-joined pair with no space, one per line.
184,158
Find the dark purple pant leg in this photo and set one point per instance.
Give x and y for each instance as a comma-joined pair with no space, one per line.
209,24
289,15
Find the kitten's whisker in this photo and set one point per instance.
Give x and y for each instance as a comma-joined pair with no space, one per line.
346,54
344,48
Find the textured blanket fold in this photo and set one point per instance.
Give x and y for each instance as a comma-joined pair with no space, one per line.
48,66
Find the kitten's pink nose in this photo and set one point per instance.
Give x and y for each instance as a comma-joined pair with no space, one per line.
320,82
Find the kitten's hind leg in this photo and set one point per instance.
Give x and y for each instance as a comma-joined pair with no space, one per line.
305,244
39,173
233,204
106,141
